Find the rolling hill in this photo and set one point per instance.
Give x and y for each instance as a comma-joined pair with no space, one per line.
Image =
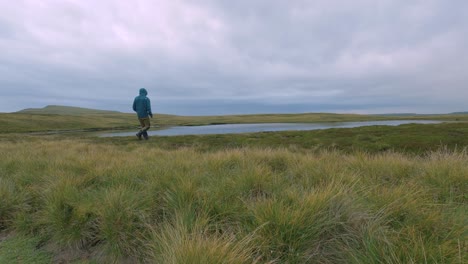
65,110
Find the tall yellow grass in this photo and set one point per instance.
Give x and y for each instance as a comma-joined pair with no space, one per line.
236,206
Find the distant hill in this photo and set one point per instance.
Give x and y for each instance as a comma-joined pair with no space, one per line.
459,113
398,114
65,110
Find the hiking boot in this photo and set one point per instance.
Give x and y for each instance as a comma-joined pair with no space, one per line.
145,135
138,135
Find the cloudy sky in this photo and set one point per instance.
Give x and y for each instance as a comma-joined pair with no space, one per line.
228,57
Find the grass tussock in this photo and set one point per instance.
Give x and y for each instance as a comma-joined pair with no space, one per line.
246,205
182,241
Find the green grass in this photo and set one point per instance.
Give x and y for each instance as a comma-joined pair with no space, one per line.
20,123
123,200
410,138
22,249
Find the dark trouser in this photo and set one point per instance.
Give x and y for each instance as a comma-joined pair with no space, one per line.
145,124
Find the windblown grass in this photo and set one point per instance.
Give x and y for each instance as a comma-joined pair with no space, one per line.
141,203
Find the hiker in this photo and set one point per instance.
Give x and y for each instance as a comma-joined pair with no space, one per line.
142,106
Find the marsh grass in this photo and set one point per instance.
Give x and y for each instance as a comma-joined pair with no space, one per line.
246,205
10,201
418,139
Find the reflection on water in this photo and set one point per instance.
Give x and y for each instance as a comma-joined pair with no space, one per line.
250,128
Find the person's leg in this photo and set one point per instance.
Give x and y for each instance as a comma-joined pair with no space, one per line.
142,126
145,123
146,126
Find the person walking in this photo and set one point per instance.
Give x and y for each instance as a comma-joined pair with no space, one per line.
142,106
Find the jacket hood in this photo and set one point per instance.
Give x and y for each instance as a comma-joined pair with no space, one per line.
143,92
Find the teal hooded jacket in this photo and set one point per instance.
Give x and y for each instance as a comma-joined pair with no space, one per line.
142,105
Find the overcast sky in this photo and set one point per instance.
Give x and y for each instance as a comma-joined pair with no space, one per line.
229,57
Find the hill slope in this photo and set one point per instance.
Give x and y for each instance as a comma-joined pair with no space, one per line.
56,118
65,110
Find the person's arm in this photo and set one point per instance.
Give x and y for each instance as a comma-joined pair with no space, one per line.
148,107
134,105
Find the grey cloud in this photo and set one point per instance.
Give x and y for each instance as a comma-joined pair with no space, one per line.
362,55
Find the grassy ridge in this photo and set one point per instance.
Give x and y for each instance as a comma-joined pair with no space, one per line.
65,110
18,123
303,118
70,118
139,202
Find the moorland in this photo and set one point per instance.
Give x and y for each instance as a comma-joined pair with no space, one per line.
374,194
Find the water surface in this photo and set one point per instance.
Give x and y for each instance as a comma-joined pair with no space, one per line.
250,128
